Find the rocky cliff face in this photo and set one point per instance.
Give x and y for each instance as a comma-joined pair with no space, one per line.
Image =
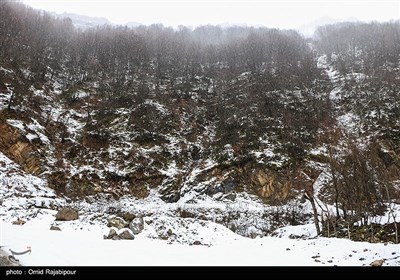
18,148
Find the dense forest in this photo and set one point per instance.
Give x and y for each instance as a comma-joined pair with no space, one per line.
212,110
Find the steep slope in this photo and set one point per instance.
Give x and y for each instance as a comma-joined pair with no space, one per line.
233,132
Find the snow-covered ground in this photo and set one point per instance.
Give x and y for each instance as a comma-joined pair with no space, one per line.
189,232
86,246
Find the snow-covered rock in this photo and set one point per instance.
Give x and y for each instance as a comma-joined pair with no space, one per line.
117,222
137,225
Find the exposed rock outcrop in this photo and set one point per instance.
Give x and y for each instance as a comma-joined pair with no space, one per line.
17,148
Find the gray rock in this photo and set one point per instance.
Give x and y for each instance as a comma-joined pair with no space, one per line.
137,225
111,234
377,263
117,222
128,216
55,228
126,234
230,196
67,214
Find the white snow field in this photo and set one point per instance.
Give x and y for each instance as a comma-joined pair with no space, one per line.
87,247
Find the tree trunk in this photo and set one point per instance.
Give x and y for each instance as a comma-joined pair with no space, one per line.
328,225
335,183
316,221
336,193
348,230
395,228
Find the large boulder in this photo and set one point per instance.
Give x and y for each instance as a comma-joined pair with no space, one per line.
117,222
67,214
137,225
128,216
126,234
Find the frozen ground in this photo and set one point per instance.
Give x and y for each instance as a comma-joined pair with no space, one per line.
192,220
86,246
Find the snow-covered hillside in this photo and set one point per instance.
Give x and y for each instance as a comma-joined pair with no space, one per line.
198,140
